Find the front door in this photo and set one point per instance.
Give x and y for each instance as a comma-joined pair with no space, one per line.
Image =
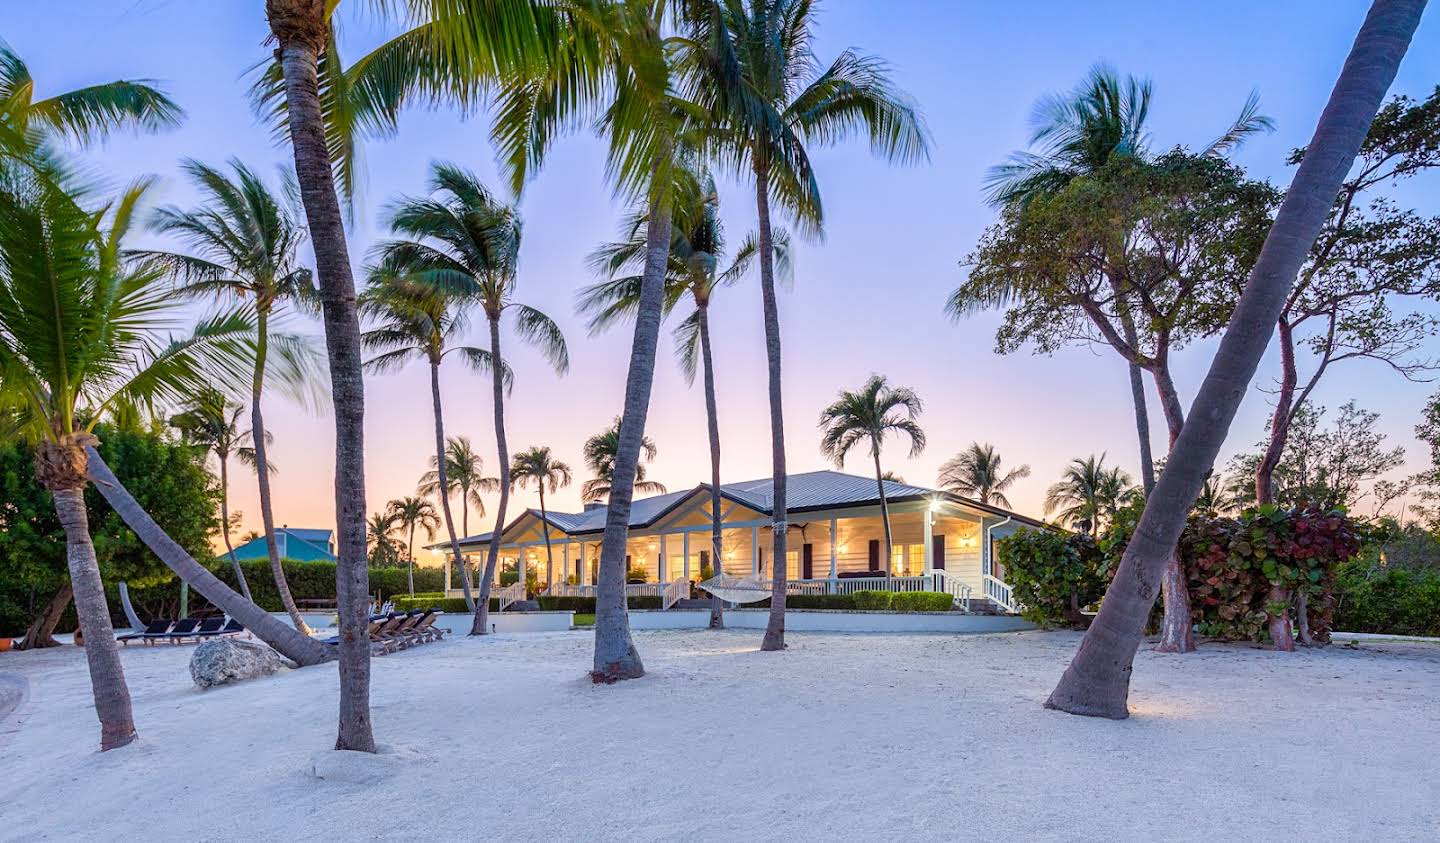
937,553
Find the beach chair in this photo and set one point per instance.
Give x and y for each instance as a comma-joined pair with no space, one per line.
380,636
152,630
210,628
426,626
399,636
233,627
183,628
370,631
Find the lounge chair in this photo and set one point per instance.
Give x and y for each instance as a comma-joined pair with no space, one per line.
210,627
233,627
400,636
370,631
183,628
152,630
426,626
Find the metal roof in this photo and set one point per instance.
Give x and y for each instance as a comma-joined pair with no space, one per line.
809,491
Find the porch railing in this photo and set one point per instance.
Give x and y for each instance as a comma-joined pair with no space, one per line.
509,594
675,591
1001,593
932,580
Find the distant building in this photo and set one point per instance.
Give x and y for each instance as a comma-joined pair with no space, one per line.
300,544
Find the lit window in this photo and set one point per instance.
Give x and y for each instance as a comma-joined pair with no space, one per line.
792,564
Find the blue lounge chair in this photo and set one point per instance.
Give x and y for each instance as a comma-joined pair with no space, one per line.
183,628
152,630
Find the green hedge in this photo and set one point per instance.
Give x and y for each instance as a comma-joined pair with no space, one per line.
922,601
1388,602
872,600
586,605
448,605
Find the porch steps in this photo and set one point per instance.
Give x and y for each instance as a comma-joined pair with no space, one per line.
692,603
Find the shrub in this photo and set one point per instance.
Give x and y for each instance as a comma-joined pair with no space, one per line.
922,601
448,605
586,605
1054,575
636,575
1396,602
811,601
872,600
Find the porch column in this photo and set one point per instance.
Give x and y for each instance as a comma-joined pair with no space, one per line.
663,568
755,551
564,563
685,549
447,574
927,534
834,554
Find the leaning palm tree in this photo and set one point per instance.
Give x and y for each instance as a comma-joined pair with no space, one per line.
85,115
212,422
758,77
409,513
414,320
1097,681
977,473
867,416
693,270
465,243
1086,492
245,244
80,333
464,478
601,454
536,465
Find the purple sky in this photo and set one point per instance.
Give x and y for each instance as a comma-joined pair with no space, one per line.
867,299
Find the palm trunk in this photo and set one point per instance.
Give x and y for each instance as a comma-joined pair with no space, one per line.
1279,419
107,677
301,27
884,510
712,424
779,517
262,473
444,481
615,655
41,632
545,530
481,624
1097,682
1177,628
301,649
225,529
410,559
1142,411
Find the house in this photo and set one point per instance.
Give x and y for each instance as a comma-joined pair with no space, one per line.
298,543
940,540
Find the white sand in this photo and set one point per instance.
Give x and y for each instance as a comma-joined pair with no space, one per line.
840,737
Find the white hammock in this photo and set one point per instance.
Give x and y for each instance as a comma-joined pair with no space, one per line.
738,589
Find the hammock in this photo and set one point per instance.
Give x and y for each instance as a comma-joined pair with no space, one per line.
737,589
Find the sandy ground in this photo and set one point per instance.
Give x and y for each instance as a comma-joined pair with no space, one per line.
842,736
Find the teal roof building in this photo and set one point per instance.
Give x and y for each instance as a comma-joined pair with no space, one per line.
298,543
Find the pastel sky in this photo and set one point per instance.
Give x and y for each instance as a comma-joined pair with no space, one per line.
869,298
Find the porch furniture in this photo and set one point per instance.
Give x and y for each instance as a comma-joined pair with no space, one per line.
183,628
152,630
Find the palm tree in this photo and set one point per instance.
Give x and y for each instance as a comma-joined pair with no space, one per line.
697,252
1217,497
1086,492
379,535
85,115
601,456
212,422
245,243
409,513
758,76
465,243
867,416
976,472
1097,681
464,477
420,320
537,466
80,334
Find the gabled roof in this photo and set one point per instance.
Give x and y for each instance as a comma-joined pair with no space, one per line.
806,492
298,543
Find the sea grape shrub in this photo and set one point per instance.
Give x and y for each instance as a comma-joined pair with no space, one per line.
1227,597
1054,576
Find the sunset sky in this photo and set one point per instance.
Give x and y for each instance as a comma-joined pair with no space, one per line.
869,298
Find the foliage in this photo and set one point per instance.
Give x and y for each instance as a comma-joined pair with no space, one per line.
1387,600
867,416
636,573
1053,575
921,601
600,453
167,478
88,114
871,600
587,604
464,474
448,605
1088,493
977,473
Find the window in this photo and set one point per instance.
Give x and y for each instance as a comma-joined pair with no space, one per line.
907,560
792,564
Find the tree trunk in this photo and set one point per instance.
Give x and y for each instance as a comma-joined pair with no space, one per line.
444,481
410,559
301,649
884,509
1302,619
1097,682
301,37
481,624
615,655
1177,628
225,529
1280,419
107,677
1279,621
42,631
779,516
262,473
545,530
712,426
1142,412
129,608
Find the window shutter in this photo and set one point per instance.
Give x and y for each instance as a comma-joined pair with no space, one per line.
937,553
807,562
874,554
